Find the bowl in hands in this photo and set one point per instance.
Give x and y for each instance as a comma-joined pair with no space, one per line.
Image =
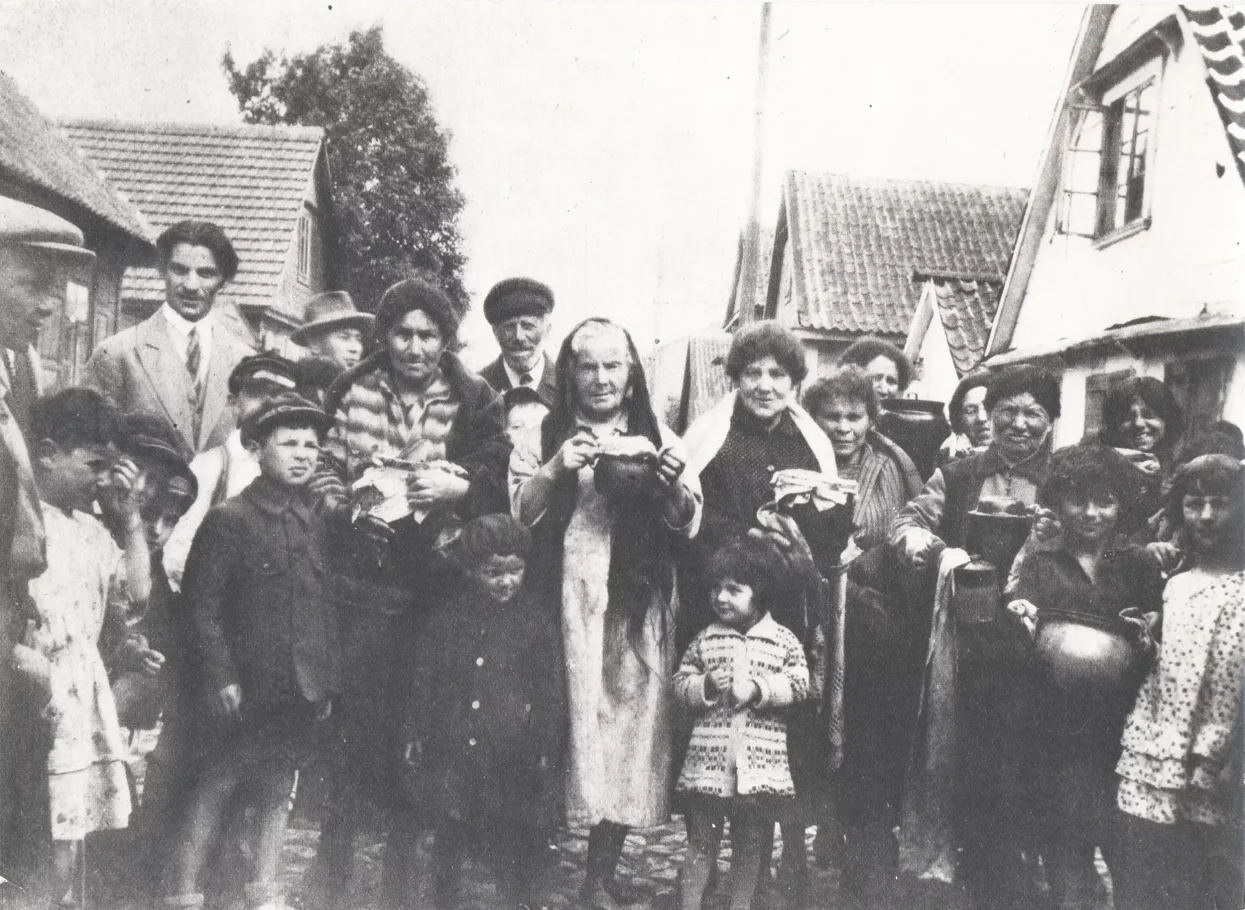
626,469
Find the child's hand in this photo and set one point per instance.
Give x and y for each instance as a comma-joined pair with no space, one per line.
717,680
1046,526
1142,626
228,702
1167,554
148,661
412,754
433,486
119,497
745,692
1026,612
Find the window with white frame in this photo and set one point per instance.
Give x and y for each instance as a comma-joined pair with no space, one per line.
1109,156
304,247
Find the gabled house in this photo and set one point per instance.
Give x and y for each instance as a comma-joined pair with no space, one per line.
949,330
1131,258
267,186
851,254
40,167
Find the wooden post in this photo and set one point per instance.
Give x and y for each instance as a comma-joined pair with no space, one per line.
749,307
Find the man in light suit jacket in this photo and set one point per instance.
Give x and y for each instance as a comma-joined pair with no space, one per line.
38,254
518,310
176,363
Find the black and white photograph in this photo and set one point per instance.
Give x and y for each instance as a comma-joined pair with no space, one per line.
622,455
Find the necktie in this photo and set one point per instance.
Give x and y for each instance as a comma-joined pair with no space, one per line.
25,388
194,356
525,379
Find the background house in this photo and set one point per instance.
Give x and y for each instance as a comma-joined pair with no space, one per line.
1130,259
687,376
38,166
949,331
850,254
267,186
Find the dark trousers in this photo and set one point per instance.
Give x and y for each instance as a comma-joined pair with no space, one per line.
1185,865
991,814
513,850
704,834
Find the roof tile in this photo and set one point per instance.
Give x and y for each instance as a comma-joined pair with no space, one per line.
858,242
33,152
250,180
966,309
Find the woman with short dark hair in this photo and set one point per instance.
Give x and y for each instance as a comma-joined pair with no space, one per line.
736,448
878,667
411,404
969,418
887,365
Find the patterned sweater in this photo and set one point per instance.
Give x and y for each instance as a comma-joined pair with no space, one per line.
740,752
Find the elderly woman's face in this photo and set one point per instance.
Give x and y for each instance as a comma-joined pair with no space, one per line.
1142,428
765,388
415,346
1020,425
846,421
602,372
885,375
974,417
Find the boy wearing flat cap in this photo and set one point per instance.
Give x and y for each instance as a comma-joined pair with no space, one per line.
334,329
226,470
518,310
264,625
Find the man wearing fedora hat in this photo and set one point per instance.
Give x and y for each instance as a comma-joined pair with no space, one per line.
518,310
38,253
334,329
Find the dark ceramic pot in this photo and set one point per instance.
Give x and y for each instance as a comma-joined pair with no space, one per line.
997,537
624,477
1085,655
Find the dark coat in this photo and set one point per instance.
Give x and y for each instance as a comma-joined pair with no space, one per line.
255,588
487,703
495,375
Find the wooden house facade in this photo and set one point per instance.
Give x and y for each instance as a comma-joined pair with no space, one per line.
268,187
1130,259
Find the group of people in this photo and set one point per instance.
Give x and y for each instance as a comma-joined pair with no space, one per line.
569,616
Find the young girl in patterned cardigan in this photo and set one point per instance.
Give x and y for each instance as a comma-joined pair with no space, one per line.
738,676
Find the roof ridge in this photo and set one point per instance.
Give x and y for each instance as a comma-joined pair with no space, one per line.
874,179
296,131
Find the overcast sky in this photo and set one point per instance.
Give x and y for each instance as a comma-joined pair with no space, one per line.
605,147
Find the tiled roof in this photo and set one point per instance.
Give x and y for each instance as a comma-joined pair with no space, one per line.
966,310
250,180
34,153
856,243
765,252
1220,35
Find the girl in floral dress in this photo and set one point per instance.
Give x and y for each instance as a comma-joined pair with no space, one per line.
1180,792
78,599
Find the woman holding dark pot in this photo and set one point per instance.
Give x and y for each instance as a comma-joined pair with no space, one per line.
606,495
880,662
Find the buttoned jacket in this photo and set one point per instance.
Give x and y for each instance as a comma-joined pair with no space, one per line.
257,593
140,370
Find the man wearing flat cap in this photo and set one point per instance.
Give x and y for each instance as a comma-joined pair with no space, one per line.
225,470
334,329
518,310
176,363
38,254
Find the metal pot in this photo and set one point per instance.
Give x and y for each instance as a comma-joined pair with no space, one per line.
625,477
1086,655
996,537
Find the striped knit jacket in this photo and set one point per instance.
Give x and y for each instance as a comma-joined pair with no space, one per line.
740,752
462,421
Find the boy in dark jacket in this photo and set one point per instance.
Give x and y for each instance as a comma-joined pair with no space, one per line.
265,643
485,720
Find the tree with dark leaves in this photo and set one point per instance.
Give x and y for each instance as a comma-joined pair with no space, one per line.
394,193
